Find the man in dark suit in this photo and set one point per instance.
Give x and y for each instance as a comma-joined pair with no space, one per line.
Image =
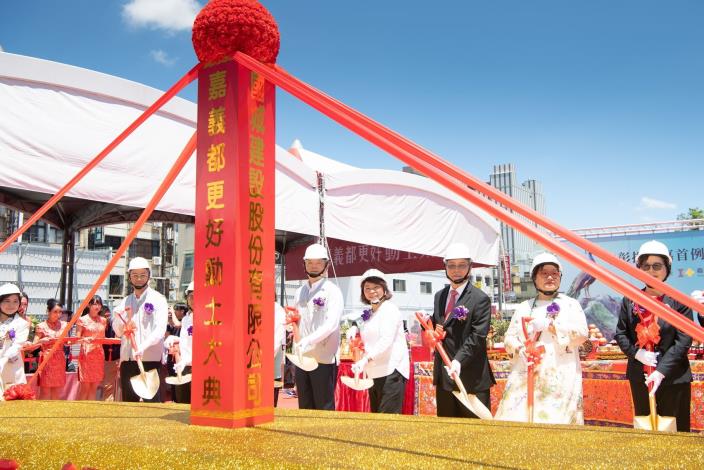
465,340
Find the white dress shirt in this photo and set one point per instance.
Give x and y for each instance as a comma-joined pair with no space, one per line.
320,326
151,327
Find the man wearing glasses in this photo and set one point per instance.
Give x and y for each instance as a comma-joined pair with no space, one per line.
463,312
149,317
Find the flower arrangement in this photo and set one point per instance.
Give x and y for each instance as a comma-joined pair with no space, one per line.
553,310
460,313
148,308
190,330
11,334
224,27
319,302
366,314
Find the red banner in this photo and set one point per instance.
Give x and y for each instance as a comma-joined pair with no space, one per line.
506,272
234,249
352,259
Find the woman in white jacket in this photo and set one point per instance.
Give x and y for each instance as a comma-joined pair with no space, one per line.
14,331
386,358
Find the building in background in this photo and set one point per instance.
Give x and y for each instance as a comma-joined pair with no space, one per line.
519,247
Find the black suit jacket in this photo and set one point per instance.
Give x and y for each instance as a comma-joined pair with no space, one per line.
465,341
674,345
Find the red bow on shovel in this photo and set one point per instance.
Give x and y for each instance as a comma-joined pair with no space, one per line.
357,383
470,401
146,384
648,336
534,354
301,361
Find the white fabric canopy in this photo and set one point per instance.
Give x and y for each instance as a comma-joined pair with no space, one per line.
55,118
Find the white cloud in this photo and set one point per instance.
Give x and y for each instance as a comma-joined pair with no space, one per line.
171,15
650,203
162,57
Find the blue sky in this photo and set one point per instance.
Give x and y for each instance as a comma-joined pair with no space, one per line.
600,100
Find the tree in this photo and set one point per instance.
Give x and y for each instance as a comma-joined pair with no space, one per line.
695,215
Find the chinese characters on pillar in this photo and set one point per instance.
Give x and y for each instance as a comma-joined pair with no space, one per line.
256,233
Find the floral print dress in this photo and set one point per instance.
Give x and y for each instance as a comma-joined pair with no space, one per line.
558,378
91,361
54,373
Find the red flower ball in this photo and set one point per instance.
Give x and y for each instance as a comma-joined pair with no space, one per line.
19,392
224,27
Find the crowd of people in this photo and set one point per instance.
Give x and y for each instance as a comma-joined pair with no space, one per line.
544,385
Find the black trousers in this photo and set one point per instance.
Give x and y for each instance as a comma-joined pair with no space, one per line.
130,369
672,400
387,393
182,393
316,389
449,406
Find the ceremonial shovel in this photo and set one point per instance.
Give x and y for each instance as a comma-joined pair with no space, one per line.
146,384
179,379
305,363
355,383
654,422
470,401
533,355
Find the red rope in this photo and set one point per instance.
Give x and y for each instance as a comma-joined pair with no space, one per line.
455,179
131,235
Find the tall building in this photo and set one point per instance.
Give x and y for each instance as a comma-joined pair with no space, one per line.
518,246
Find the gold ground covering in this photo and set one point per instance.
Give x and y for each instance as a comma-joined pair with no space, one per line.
42,434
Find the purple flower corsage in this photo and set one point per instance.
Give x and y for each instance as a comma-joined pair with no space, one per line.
11,334
319,302
366,314
638,310
553,310
460,313
148,308
190,330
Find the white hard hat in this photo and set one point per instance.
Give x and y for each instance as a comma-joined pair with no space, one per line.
190,287
138,263
372,273
316,251
9,288
698,296
457,251
544,258
654,247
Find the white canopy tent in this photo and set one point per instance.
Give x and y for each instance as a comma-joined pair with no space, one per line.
55,118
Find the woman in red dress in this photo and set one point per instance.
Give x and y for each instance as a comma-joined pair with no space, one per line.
53,376
91,326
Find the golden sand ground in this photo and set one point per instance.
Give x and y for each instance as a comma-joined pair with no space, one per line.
41,434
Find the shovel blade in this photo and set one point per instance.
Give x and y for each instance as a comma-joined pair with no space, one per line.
473,404
359,384
664,423
178,379
146,386
303,362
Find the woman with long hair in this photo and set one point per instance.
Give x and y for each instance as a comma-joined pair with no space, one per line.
91,326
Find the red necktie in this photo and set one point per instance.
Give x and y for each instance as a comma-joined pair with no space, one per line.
451,303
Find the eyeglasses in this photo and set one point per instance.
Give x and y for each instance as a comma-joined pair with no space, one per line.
655,266
457,267
139,276
552,274
373,289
